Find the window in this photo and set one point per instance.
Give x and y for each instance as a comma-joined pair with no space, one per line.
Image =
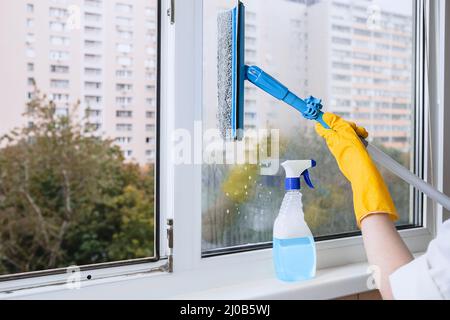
94,113
92,44
63,84
124,87
124,114
125,34
92,85
124,48
93,3
59,69
124,73
59,55
124,61
239,203
57,26
59,41
92,17
93,71
89,190
58,12
124,140
124,101
30,23
125,22
124,8
124,127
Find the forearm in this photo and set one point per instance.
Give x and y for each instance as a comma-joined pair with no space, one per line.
385,249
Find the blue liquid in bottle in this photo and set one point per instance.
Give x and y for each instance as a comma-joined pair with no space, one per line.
294,259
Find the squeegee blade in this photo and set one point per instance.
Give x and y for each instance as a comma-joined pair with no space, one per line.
230,72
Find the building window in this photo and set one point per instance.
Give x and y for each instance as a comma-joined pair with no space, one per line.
124,73
124,48
89,85
92,17
59,41
124,114
124,127
124,8
124,87
62,84
125,61
57,26
59,69
59,55
30,23
124,101
58,12
124,140
93,71
92,99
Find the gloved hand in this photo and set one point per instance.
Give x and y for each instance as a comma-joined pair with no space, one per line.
370,194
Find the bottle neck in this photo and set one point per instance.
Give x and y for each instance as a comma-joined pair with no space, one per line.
292,184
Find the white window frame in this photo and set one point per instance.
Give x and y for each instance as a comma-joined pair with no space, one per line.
180,188
187,84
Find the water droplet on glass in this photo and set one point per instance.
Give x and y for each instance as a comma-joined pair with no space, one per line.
249,177
245,187
228,211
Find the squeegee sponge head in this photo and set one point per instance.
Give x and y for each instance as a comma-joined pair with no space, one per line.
370,193
224,73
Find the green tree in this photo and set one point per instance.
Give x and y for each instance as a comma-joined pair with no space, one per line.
67,197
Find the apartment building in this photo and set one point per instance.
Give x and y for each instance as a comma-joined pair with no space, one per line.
362,59
99,52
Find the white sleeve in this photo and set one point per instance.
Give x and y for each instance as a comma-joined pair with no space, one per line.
427,277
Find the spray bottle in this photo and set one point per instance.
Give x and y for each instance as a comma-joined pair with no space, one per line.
294,251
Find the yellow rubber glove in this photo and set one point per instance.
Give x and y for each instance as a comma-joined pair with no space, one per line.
370,194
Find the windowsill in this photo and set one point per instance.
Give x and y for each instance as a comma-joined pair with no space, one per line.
328,284
240,276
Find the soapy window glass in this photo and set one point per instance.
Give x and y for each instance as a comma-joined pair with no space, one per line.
78,127
358,57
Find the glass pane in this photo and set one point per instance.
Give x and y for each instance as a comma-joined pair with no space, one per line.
78,128
358,57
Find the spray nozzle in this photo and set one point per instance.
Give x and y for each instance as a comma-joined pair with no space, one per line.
294,170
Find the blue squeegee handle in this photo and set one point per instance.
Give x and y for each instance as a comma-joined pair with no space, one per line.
267,83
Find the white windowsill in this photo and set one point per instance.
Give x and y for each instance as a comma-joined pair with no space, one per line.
328,284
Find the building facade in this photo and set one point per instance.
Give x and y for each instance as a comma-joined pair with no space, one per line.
361,55
101,53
